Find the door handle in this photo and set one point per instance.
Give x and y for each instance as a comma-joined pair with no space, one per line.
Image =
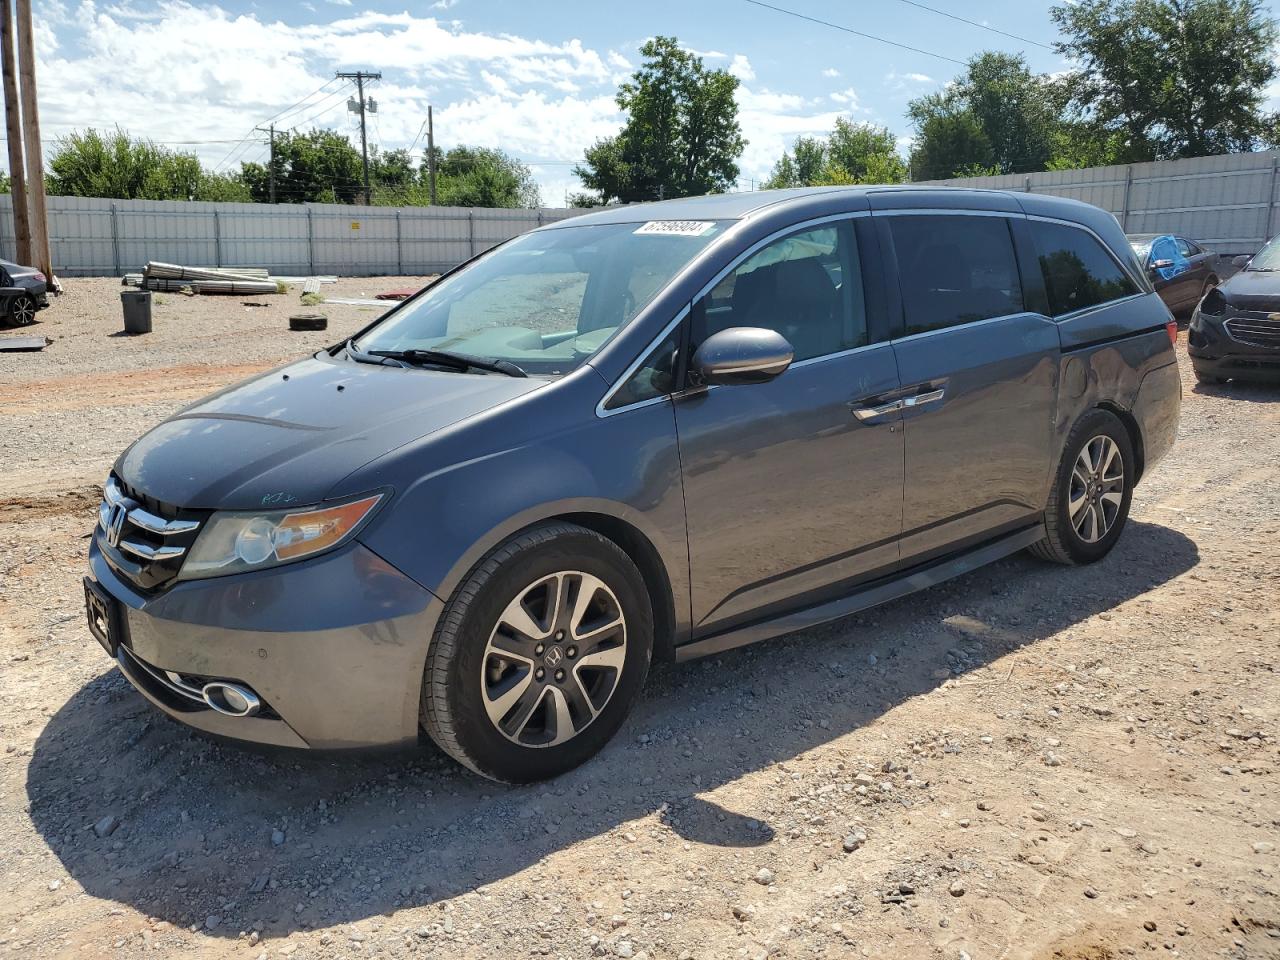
923,399
870,413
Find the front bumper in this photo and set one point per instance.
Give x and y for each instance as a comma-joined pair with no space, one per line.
335,648
1215,352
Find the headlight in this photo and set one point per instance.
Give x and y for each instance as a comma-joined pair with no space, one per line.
235,542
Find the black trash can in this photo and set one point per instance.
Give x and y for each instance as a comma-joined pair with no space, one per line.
137,310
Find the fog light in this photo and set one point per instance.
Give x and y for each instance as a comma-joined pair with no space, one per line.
233,700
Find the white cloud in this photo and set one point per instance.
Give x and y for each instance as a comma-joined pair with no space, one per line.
444,4
339,3
831,73
542,101
848,97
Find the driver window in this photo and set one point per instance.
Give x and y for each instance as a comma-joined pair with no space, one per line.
807,286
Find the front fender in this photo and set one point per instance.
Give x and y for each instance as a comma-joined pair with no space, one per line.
443,521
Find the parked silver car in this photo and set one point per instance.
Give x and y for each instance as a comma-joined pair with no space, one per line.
655,431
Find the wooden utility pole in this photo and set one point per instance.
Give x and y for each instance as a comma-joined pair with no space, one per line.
359,76
271,164
40,254
13,126
431,155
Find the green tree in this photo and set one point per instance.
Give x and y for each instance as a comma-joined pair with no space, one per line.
92,164
1171,78
950,142
316,167
998,101
861,148
853,153
681,137
484,177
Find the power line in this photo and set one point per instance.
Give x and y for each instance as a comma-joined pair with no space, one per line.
856,33
974,23
297,107
332,102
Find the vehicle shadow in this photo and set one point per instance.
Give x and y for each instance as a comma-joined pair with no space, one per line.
1253,392
361,836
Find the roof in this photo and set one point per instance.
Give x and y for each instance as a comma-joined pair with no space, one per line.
736,206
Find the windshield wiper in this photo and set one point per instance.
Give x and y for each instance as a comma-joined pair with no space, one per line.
444,358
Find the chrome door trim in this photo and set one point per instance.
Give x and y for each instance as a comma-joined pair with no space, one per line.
870,413
971,324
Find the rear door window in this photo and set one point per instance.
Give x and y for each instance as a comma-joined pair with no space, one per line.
955,270
1078,270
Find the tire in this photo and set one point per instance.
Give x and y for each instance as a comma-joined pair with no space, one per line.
1078,539
468,675
23,311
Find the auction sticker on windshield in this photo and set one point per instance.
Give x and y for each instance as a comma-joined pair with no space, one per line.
678,228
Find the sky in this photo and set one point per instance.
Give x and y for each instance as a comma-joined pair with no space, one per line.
535,78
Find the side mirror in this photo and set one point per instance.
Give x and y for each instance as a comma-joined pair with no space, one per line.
1161,264
742,355
1241,261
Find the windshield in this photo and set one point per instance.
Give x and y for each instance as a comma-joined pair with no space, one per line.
1268,258
547,300
1141,248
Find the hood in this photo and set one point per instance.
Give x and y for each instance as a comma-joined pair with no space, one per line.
1252,290
288,436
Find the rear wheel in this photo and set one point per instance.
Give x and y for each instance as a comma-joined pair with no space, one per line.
539,656
23,311
1089,504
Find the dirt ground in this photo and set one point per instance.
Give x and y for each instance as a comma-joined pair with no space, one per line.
1027,762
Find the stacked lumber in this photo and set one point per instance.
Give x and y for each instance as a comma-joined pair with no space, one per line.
172,277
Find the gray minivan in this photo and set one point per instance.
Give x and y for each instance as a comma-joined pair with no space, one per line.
655,431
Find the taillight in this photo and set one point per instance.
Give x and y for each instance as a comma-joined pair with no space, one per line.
40,276
1171,328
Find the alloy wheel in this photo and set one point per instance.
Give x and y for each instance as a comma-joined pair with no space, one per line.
554,659
24,312
1097,488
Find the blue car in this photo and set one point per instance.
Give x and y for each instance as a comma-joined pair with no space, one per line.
654,432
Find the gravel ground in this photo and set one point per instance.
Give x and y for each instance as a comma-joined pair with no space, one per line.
1026,762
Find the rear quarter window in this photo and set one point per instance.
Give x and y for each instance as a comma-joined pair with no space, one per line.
1079,272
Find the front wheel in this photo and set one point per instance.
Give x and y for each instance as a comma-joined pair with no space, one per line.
1089,503
539,656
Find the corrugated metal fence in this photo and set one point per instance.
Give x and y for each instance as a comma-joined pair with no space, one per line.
1227,202
95,237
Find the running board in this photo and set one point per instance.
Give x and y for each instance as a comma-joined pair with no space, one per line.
919,578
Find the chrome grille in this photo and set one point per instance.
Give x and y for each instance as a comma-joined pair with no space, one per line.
142,545
1257,330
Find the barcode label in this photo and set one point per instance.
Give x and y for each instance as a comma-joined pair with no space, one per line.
677,228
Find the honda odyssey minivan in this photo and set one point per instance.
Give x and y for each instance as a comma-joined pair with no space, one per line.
652,432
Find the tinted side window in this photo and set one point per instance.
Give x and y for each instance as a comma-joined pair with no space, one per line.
954,270
807,286
654,377
1187,248
1078,270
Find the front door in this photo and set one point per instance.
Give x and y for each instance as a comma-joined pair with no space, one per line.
980,374
793,488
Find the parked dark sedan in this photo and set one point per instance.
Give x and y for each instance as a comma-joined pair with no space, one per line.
1181,270
654,432
23,291
1235,331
